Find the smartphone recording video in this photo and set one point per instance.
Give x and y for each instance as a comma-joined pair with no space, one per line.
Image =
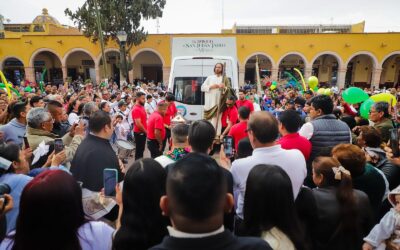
228,146
58,145
110,178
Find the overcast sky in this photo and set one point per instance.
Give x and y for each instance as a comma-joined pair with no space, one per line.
205,16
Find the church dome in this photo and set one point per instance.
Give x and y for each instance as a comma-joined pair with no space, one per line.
45,18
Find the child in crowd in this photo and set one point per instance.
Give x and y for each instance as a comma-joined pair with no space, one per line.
120,131
386,234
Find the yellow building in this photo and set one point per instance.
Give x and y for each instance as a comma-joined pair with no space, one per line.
336,54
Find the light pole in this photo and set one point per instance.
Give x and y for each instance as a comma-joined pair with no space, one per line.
122,36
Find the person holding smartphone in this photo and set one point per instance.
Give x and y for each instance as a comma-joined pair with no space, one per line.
95,153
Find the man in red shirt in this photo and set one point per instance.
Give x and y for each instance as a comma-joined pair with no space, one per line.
289,124
156,130
229,117
239,130
243,102
169,115
140,124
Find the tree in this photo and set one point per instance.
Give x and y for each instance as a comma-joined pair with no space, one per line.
102,19
116,15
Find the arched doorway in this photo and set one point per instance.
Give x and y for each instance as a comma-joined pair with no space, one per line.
112,64
264,64
391,72
147,67
80,65
13,70
50,61
326,67
287,64
359,71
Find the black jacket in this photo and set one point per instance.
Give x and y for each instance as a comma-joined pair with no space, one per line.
306,208
94,155
391,172
228,217
328,234
60,129
224,240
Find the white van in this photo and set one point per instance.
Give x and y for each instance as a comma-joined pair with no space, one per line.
188,74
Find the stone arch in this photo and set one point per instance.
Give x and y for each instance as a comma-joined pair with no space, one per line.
38,51
266,64
98,59
362,77
79,63
4,59
148,64
148,50
397,52
259,53
371,55
390,76
302,56
54,73
71,51
327,73
332,53
14,72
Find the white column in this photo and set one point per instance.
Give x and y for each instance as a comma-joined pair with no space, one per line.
30,74
98,77
341,77
274,74
131,79
376,77
307,73
396,74
64,73
382,79
166,73
242,71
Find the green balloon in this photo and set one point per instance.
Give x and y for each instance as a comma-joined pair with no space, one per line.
274,83
365,108
354,95
28,89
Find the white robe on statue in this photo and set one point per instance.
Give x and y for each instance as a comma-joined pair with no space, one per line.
211,98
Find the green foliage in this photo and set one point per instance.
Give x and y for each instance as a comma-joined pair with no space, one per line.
116,15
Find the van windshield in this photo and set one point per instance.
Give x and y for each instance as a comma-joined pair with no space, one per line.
187,90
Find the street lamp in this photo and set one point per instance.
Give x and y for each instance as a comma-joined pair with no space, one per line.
122,36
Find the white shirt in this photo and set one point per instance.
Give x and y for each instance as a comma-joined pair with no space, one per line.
178,234
73,118
256,106
277,239
164,160
150,107
292,161
94,235
307,131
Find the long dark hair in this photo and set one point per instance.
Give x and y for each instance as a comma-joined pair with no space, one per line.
50,207
269,202
344,194
142,224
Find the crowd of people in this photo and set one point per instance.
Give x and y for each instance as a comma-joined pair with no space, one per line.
307,171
